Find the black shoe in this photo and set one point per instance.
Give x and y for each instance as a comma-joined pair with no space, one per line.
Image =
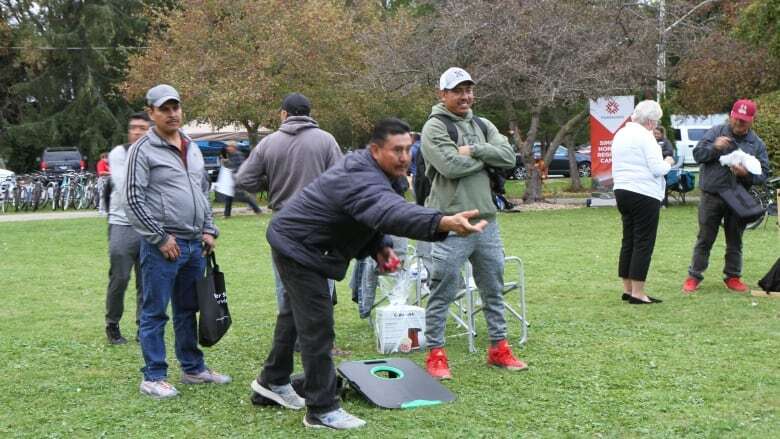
634,301
114,335
625,296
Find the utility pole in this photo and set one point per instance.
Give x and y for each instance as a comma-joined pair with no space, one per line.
660,68
663,31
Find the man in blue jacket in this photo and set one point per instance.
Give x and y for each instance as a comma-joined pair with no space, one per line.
340,216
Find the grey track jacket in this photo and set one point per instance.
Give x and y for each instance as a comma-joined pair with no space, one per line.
163,196
290,158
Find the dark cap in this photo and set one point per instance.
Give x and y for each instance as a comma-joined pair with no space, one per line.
296,104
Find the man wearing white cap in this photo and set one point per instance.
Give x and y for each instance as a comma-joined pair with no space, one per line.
458,148
166,203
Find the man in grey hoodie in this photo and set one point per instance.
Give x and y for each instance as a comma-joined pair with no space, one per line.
166,203
289,159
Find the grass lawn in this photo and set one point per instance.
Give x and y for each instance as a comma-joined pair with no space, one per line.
699,366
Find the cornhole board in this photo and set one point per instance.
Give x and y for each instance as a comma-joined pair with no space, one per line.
760,293
394,383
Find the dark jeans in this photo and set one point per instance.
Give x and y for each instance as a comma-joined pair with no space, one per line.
243,197
640,224
712,211
171,281
307,314
124,246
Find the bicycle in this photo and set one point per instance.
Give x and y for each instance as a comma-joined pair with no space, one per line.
67,191
766,195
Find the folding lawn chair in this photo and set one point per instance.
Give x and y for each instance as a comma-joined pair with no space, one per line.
467,303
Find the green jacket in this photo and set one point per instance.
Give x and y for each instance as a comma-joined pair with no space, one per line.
459,182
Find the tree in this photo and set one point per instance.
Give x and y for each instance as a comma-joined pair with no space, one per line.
534,56
739,58
234,61
74,55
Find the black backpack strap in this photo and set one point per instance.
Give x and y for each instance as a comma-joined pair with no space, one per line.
452,130
482,126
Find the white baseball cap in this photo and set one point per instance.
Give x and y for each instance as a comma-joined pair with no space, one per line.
452,77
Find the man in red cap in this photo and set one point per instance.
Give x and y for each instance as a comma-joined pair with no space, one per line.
713,178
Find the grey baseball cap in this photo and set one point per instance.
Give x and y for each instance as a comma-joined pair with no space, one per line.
160,94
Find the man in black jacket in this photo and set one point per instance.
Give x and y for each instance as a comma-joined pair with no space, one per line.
340,216
713,177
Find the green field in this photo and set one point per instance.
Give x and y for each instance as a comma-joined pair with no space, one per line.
699,366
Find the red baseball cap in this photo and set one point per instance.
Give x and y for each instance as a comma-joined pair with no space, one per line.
744,109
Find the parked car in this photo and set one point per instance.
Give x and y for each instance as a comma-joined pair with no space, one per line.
211,149
62,159
689,130
558,166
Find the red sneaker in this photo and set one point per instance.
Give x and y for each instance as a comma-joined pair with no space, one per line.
736,284
501,355
436,364
691,284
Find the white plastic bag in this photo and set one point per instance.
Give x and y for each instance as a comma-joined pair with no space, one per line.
225,184
739,157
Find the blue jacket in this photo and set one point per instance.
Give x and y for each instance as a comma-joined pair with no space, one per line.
713,176
343,214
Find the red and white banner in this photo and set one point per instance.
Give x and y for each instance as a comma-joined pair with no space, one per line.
607,115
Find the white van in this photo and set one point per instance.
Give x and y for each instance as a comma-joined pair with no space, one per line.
689,129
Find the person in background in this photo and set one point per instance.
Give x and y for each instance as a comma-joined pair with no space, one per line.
232,159
720,140
288,160
638,171
104,176
667,147
124,243
667,150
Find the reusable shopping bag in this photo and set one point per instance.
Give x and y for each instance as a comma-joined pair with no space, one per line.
214,319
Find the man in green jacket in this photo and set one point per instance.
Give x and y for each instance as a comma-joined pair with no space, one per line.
458,171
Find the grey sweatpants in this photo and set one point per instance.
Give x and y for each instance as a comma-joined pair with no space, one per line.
486,254
124,245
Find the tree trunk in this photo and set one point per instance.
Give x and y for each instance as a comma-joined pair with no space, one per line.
251,131
533,180
574,172
563,132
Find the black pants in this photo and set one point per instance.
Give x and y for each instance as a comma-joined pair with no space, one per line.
307,314
240,196
712,211
640,225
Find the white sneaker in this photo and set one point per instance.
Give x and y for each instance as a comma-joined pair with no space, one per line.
285,395
336,419
207,376
158,389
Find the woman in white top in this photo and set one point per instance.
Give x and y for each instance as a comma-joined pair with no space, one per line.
638,171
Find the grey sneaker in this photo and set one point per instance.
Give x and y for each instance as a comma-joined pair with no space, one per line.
158,389
207,376
336,419
284,395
